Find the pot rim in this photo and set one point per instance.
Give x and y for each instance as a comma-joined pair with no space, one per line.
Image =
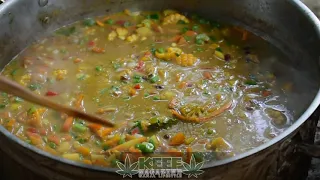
309,15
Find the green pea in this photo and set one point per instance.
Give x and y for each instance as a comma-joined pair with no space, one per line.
199,42
98,68
184,30
109,21
161,50
195,27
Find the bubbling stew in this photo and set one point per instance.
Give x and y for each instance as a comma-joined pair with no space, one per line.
174,84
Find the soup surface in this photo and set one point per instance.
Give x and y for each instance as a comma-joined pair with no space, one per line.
172,83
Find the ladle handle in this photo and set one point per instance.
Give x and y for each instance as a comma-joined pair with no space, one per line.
11,87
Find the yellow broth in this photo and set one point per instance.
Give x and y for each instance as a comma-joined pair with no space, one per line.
172,84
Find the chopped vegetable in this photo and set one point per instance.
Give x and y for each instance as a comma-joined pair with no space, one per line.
66,31
79,127
177,140
202,37
154,79
146,147
89,22
174,18
127,145
109,21
155,16
51,93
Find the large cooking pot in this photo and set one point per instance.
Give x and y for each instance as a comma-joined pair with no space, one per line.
288,24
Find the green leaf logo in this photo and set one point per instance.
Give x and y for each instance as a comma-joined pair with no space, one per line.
193,169
127,169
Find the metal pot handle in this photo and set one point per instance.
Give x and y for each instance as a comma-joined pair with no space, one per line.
312,150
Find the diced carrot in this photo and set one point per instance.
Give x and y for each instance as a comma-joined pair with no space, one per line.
132,92
134,153
32,130
35,119
98,50
189,154
94,127
77,60
69,121
157,28
67,124
207,75
5,115
125,146
182,41
176,38
99,23
130,137
67,137
103,132
178,77
113,141
84,150
51,93
182,85
10,125
55,139
266,93
177,140
137,86
100,162
79,101
50,150
86,161
174,152
148,54
43,132
244,35
34,138
105,18
190,33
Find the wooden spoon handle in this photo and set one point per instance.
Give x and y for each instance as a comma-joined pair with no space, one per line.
11,87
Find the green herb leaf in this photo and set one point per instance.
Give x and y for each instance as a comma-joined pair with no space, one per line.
98,68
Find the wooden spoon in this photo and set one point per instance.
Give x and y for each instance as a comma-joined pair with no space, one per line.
11,87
